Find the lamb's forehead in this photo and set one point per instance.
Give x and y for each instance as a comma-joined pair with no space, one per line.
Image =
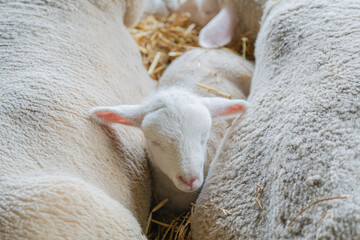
171,99
178,108
176,97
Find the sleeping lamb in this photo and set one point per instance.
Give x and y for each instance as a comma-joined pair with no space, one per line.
176,121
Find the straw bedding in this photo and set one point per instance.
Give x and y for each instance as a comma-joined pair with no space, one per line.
163,39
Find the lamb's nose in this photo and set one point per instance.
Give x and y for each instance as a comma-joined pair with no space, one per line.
188,182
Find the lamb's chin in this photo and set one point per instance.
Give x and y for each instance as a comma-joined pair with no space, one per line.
184,188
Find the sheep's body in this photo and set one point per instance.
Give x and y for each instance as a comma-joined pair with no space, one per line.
61,175
220,69
300,139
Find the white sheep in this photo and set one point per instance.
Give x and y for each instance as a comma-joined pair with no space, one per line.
220,18
176,122
242,14
300,140
62,176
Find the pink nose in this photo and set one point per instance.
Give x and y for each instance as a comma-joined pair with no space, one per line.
188,182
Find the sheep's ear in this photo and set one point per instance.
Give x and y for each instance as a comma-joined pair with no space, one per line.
130,115
222,107
219,31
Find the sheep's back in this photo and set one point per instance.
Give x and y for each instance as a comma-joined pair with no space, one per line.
59,59
300,139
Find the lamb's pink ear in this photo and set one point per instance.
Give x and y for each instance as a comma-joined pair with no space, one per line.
130,115
222,107
219,31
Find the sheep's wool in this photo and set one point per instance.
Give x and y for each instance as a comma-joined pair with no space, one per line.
300,139
63,176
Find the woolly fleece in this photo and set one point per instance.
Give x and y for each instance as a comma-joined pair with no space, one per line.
62,175
300,139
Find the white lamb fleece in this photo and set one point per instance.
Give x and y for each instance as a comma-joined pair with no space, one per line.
62,175
54,207
300,140
176,121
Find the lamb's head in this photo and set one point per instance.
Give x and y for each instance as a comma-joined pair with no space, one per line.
176,125
176,135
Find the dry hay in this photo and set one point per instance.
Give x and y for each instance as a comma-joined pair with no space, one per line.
163,39
178,229
312,204
258,196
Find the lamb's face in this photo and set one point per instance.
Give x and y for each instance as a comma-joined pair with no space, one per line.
176,125
176,143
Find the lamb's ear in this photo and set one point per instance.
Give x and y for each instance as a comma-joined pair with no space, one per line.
131,115
222,107
219,31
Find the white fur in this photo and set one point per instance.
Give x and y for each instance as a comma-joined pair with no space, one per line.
218,32
244,15
61,175
300,140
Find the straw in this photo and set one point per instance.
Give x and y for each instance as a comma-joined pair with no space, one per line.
214,90
162,39
312,204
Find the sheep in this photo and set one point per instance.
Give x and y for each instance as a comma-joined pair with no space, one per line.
62,175
176,121
242,14
223,69
300,140
220,18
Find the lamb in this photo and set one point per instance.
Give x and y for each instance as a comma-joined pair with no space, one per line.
62,176
176,121
300,140
220,18
241,14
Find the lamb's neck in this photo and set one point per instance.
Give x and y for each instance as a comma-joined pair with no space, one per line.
161,182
